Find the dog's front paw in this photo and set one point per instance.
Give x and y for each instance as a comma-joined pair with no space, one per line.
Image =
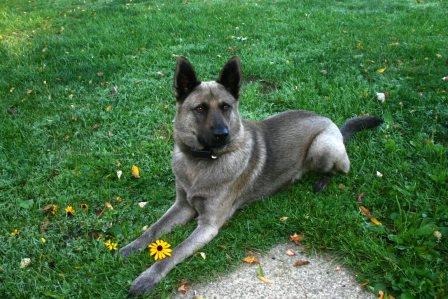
130,248
144,283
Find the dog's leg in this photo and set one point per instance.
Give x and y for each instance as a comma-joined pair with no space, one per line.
203,234
179,213
322,183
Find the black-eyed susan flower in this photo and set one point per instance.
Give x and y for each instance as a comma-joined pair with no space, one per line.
69,210
159,249
111,245
15,232
85,207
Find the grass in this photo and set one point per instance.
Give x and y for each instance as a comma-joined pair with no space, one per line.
85,90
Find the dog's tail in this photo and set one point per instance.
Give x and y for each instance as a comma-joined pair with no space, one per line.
357,124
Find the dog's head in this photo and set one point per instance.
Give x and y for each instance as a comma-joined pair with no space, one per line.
207,114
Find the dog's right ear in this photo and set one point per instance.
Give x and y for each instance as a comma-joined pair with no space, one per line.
184,79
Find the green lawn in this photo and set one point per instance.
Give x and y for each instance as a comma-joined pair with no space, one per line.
85,90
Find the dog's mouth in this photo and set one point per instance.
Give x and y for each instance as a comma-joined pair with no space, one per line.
213,144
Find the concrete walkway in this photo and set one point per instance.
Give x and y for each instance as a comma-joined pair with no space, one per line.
321,278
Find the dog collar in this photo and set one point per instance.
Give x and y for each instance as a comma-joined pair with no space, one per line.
206,154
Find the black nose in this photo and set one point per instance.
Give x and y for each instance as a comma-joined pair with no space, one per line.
220,133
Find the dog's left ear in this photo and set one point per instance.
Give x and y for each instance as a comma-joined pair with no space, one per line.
230,76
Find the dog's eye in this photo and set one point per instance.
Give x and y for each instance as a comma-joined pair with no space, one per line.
226,107
200,109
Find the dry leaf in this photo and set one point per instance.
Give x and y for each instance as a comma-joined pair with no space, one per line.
300,262
25,262
365,211
108,205
380,295
341,187
109,108
202,254
50,209
184,287
264,279
375,221
379,174
144,228
296,238
119,174
250,259
360,197
290,252
142,204
135,171
437,235
44,225
283,219
381,70
100,74
445,79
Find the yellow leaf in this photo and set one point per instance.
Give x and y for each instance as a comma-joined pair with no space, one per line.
283,219
135,171
203,255
109,108
108,206
301,262
250,259
375,221
381,70
296,238
264,279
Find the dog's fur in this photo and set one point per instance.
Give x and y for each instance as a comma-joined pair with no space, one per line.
222,162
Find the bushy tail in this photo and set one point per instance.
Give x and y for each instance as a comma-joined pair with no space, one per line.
357,124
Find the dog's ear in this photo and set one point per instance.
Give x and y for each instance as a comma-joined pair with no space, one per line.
230,76
184,79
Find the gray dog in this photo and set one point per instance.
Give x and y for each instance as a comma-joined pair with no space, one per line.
222,162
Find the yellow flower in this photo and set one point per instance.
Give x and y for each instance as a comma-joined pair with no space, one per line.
84,206
111,245
159,249
15,232
69,210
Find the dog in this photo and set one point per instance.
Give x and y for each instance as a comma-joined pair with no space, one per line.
222,162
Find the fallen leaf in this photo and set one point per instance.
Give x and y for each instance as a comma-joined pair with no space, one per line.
50,209
290,252
119,174
283,219
43,240
300,262
360,197
365,211
437,235
202,254
296,238
144,228
100,74
375,221
44,225
135,171
264,279
25,262
250,259
142,204
341,187
438,55
109,108
184,287
108,205
379,174
445,79
29,91
381,70
380,295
